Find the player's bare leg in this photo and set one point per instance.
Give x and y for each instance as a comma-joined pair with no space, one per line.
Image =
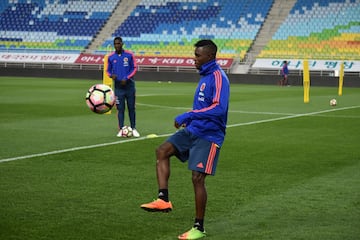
198,231
162,204
198,180
163,154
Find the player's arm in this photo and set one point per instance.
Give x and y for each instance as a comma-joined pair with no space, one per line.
109,70
132,66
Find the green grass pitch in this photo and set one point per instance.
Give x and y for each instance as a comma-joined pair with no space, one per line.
287,170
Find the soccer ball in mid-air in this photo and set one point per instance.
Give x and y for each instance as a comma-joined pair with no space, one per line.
126,131
100,98
333,102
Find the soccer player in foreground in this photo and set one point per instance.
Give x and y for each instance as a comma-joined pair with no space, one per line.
199,138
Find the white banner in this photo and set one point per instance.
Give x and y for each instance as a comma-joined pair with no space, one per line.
38,58
293,64
314,65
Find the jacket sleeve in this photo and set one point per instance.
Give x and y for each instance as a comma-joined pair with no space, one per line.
133,66
109,67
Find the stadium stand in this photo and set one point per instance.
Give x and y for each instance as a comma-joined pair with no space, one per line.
171,27
319,29
323,29
58,25
163,27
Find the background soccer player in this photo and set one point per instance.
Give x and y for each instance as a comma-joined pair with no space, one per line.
284,74
201,135
122,68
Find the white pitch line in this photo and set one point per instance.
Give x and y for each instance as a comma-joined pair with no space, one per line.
262,113
291,116
76,149
164,135
232,111
160,106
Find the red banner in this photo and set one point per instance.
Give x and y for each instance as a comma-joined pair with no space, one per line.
153,61
90,59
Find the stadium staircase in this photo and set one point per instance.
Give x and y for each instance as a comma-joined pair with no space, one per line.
120,13
59,26
170,28
277,14
327,29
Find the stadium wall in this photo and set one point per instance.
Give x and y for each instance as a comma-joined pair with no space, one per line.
271,79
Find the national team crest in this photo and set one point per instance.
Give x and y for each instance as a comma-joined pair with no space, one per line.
202,87
126,62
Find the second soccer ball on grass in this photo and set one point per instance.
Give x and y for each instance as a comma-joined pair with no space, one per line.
333,102
126,131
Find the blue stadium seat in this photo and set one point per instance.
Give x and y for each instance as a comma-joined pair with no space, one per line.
183,19
66,19
319,15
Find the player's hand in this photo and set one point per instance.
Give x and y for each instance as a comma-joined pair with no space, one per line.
182,120
177,125
113,76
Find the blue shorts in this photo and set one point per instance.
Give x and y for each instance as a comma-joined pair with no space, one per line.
202,155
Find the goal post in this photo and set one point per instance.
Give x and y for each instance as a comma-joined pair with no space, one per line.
306,81
106,79
341,78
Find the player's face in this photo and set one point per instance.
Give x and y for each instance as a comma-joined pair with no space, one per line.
118,45
202,56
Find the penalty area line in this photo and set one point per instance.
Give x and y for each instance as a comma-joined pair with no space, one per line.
163,135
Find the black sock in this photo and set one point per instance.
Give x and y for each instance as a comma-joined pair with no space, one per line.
164,194
199,224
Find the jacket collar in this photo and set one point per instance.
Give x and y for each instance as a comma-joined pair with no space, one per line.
208,67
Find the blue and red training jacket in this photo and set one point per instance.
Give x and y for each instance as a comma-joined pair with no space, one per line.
123,65
210,107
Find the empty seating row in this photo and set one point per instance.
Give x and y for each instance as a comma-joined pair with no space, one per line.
168,23
77,20
322,29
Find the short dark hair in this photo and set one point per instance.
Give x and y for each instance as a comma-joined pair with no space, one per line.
118,38
208,44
